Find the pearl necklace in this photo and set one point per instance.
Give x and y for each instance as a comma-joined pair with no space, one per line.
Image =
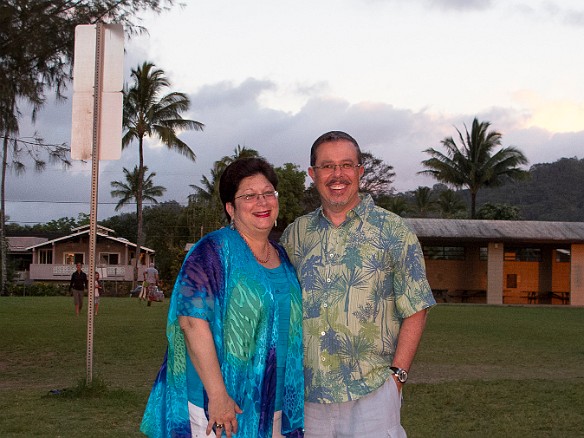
267,246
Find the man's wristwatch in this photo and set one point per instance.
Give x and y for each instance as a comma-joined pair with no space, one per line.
401,374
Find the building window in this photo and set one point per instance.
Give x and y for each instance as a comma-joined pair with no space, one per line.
109,258
72,258
483,253
46,256
511,281
444,252
522,254
563,255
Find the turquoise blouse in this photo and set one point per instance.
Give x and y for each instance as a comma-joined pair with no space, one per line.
220,281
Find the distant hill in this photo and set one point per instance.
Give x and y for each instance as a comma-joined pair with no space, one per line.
555,192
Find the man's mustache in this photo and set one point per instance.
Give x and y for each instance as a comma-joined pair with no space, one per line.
338,181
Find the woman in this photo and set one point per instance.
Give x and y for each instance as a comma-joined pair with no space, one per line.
97,293
234,361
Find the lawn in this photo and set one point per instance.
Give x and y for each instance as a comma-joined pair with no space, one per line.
494,371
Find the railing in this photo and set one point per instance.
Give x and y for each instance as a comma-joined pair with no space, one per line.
42,272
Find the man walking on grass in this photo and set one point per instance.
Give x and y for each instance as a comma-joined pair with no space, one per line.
77,287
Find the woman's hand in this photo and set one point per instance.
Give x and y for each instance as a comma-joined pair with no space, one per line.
222,412
201,348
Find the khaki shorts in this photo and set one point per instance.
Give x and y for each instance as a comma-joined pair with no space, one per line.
375,415
78,297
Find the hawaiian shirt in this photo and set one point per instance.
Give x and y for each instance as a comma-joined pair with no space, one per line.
359,281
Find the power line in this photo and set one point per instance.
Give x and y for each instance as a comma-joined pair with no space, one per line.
87,202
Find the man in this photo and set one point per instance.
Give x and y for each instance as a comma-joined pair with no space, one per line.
365,297
150,280
77,286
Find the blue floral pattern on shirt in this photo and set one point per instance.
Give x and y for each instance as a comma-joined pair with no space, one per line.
359,281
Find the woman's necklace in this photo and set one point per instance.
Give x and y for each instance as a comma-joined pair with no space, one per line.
267,246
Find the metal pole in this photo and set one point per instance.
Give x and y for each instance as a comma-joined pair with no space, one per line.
94,184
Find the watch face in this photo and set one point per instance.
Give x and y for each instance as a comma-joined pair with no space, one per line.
402,376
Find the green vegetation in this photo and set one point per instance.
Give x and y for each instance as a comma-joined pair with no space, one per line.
498,372
552,192
473,162
480,371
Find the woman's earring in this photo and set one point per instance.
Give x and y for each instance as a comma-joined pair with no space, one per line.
276,223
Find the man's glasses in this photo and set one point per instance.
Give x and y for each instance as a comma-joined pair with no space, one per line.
251,197
330,168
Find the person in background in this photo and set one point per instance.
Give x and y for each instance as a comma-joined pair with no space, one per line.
77,287
150,281
234,359
97,293
365,298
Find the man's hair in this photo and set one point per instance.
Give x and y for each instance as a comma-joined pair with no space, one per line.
333,136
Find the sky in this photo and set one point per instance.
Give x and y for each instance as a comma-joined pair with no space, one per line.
397,75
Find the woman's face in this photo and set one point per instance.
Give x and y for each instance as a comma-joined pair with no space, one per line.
258,213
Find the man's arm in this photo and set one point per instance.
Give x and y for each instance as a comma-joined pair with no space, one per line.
408,340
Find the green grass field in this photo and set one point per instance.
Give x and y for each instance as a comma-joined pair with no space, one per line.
481,371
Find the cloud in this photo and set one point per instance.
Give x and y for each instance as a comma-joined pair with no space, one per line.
234,115
555,115
461,5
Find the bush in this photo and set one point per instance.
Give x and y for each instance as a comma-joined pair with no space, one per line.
39,289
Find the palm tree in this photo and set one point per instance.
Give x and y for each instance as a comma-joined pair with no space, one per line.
150,113
424,202
474,164
206,197
450,204
396,204
128,190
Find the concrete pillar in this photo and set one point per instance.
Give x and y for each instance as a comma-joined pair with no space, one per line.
495,273
577,275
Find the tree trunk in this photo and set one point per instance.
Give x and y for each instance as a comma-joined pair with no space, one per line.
139,236
3,249
473,205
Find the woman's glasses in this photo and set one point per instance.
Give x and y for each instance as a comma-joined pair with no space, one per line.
251,197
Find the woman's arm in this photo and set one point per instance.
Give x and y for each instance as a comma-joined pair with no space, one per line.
201,349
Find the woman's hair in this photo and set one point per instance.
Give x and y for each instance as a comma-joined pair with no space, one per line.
333,136
237,171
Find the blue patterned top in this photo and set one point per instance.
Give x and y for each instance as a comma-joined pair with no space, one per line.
359,281
220,281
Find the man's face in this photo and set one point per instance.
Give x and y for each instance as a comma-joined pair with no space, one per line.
338,188
78,266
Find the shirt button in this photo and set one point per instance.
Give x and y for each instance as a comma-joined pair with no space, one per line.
322,333
331,255
328,280
322,359
325,305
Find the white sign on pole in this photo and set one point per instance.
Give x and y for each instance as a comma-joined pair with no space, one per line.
110,132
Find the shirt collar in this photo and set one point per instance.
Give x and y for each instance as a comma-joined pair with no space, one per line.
361,210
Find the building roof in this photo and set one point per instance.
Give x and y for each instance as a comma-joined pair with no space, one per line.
497,231
85,227
18,244
100,233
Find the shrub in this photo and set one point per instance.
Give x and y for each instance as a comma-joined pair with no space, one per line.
39,289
